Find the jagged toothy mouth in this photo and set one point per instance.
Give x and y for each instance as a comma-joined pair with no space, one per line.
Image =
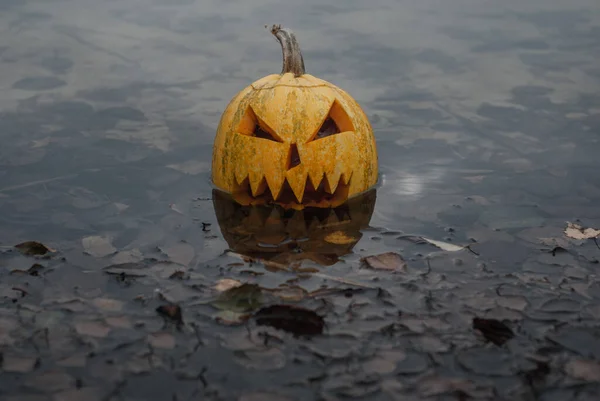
322,196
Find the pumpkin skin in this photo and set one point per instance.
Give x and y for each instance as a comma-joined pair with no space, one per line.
280,237
294,140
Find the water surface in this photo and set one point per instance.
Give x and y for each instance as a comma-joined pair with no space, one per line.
487,119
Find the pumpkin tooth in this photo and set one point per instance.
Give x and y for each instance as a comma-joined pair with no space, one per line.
275,184
316,175
331,181
297,181
258,184
241,174
346,177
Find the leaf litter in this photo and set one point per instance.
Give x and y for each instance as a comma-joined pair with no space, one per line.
353,301
34,248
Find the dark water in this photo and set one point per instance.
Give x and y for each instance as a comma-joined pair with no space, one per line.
487,118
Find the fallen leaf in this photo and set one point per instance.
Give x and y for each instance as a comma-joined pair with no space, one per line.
34,270
33,248
226,284
161,340
244,298
293,319
386,261
18,364
576,231
80,394
180,253
289,293
262,396
129,256
127,270
107,304
493,330
92,329
98,246
444,245
51,381
583,369
122,322
437,385
172,312
261,359
230,318
342,280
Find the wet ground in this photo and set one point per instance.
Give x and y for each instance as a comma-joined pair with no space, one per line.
458,278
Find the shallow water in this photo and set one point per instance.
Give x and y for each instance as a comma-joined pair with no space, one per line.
487,119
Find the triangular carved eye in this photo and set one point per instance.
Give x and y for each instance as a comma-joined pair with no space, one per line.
328,128
337,121
251,125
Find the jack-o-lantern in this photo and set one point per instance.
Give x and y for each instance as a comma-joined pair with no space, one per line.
283,236
294,140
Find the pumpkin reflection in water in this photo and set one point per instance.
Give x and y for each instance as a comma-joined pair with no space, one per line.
284,236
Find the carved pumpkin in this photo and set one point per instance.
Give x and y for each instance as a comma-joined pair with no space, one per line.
294,139
283,236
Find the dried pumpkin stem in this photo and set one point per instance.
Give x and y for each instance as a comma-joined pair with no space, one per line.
292,57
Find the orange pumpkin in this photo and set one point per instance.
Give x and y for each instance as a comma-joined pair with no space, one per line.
281,236
294,139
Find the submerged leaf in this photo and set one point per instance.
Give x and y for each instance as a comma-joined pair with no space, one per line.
583,369
293,319
576,231
243,298
493,330
386,261
172,312
98,246
33,248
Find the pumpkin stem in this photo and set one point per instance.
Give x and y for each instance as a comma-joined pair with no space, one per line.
292,57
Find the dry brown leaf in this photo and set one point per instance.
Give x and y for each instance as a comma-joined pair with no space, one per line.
576,231
386,261
226,284
32,248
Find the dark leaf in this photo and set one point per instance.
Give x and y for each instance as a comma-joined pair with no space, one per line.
493,330
172,312
541,370
35,269
293,319
33,248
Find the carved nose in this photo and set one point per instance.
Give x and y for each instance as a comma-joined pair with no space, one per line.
294,157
